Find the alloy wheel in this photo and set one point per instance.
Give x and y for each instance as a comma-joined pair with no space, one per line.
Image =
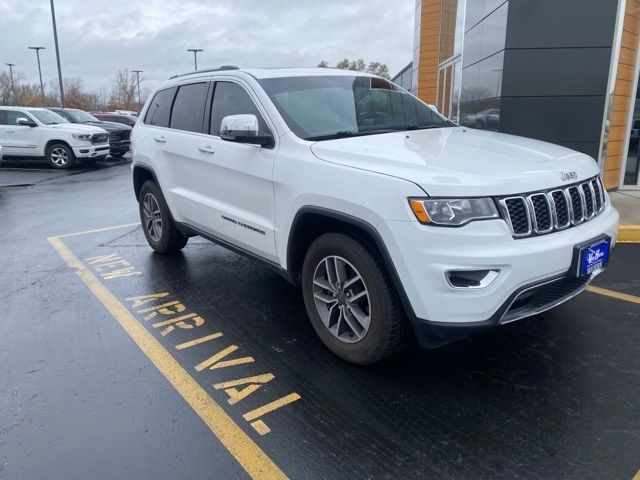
342,299
59,156
152,217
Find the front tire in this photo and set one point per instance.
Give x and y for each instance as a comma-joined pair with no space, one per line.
159,229
60,156
351,301
117,154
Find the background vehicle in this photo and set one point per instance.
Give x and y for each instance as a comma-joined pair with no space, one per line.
119,134
116,118
382,209
131,113
38,132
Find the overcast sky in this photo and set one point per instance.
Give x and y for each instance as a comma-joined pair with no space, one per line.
99,37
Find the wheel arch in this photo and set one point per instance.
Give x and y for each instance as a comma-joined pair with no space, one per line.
310,222
53,142
142,173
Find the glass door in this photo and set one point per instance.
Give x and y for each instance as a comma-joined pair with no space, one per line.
449,89
631,178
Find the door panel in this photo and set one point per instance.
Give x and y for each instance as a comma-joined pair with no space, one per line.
17,139
223,188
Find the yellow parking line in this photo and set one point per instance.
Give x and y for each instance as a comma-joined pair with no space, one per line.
628,234
106,229
613,294
637,477
250,456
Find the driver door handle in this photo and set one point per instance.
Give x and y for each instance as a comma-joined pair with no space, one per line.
206,149
160,139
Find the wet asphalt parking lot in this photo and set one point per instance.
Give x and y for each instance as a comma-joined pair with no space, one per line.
119,363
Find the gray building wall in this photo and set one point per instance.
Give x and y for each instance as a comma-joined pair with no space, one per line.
556,68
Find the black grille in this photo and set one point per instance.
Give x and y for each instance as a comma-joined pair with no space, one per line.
541,212
562,208
598,192
519,216
548,211
588,199
98,138
536,299
576,204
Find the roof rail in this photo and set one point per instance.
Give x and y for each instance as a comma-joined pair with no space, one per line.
217,69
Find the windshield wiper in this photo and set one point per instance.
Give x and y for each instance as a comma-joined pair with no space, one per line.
333,136
349,133
421,127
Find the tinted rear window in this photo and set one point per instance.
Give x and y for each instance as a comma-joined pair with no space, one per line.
160,108
188,107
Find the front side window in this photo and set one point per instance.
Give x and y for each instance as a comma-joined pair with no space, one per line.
188,107
231,99
159,109
324,107
10,117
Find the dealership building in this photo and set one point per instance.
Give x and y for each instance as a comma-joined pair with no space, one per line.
563,71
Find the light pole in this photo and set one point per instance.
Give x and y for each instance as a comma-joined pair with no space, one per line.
195,55
138,72
13,91
55,38
37,49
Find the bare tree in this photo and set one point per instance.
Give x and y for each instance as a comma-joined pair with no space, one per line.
359,65
124,93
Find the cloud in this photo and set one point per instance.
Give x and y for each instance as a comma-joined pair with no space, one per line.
99,37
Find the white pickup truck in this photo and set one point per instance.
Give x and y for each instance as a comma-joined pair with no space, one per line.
38,132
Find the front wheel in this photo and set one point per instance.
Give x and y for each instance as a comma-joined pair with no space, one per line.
351,301
159,229
117,154
60,155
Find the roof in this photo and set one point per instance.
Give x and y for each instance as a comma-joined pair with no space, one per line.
274,72
30,109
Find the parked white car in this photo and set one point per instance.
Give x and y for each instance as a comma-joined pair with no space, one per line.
387,214
38,132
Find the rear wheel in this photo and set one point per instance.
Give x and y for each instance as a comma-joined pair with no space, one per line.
60,155
159,229
351,300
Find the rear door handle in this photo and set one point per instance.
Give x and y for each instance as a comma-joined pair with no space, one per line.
160,139
206,149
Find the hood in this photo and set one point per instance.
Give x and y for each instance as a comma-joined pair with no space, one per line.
109,126
460,161
77,128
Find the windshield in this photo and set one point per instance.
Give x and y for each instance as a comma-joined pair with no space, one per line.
47,117
78,116
325,107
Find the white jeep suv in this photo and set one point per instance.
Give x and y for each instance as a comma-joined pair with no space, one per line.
38,132
388,215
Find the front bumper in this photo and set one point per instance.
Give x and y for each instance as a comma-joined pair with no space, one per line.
118,146
423,254
90,151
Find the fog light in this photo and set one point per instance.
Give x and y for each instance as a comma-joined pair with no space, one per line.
471,278
84,151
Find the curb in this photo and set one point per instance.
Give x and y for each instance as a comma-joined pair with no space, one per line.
629,234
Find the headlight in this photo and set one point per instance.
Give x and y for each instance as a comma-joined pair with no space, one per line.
81,136
453,212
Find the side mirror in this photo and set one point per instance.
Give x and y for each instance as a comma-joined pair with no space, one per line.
244,129
25,122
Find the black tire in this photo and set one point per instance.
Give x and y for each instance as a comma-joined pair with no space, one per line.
388,325
169,239
55,156
117,154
